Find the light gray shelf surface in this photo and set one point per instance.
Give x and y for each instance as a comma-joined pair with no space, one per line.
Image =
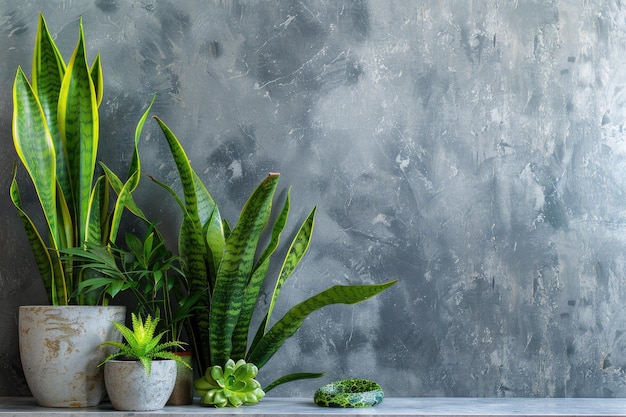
286,407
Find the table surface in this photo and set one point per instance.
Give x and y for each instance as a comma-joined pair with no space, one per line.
285,407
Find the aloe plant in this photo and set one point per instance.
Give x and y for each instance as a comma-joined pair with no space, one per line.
143,344
228,267
56,134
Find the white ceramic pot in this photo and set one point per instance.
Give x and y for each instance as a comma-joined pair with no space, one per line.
130,389
60,352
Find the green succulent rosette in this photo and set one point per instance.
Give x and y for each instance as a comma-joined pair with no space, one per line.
231,386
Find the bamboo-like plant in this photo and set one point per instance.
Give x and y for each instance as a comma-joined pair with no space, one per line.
55,134
228,267
148,270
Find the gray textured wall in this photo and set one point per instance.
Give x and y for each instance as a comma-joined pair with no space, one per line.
472,149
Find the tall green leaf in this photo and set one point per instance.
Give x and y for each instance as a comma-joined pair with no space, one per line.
124,193
192,246
47,76
135,164
49,268
259,274
236,267
78,126
96,77
95,222
293,319
35,148
194,251
120,204
298,248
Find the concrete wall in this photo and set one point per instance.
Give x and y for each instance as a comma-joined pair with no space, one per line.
474,150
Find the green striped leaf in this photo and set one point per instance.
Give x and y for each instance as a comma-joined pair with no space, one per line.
292,377
96,77
194,249
236,267
192,246
78,126
293,319
212,224
135,164
65,221
48,70
298,248
35,149
117,185
95,220
120,204
54,287
240,335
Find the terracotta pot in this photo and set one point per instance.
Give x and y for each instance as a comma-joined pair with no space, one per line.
183,388
60,352
130,389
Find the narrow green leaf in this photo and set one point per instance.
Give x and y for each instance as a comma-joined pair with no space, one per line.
117,185
42,255
96,77
47,74
212,224
194,249
35,149
240,335
65,220
121,202
293,319
171,191
94,217
192,245
78,126
292,377
135,164
298,248
236,267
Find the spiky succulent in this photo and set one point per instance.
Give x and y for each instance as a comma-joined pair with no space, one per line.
141,343
232,386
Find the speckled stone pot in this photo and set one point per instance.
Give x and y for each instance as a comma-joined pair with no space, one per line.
60,352
130,389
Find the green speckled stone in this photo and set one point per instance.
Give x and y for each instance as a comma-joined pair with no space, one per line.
349,393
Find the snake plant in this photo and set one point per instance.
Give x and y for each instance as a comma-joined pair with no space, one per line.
229,267
55,134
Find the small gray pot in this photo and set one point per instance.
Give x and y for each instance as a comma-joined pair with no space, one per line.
130,389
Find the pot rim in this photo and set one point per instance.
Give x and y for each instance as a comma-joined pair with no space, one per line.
30,306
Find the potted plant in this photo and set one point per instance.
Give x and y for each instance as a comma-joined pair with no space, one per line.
228,267
144,377
154,277
55,133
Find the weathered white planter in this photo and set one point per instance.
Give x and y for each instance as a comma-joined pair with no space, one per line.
60,352
130,389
